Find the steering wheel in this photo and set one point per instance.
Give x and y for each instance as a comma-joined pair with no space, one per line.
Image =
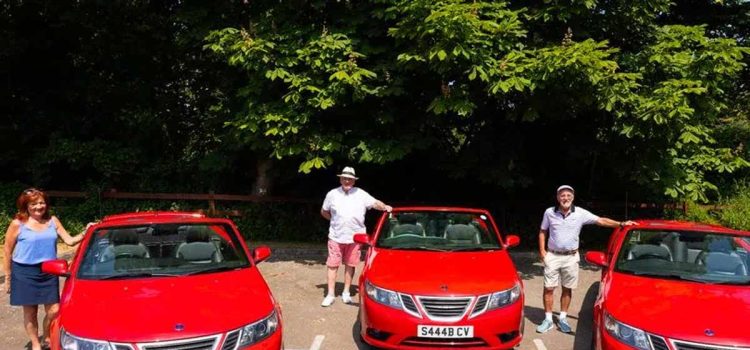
652,256
412,235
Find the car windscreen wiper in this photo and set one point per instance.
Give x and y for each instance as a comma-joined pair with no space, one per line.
725,282
473,249
127,275
213,269
417,248
669,275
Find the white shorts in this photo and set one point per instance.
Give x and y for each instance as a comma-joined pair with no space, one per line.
557,267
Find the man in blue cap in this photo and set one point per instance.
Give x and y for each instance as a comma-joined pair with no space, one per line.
563,224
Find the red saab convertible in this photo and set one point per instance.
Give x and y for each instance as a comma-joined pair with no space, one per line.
440,277
165,280
669,285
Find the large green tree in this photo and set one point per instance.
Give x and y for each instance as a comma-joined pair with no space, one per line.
620,89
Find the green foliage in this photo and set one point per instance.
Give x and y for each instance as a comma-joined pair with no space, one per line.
311,79
735,211
183,95
732,211
259,221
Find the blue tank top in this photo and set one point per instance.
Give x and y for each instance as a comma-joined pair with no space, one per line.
34,247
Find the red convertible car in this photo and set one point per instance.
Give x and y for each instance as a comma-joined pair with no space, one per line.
440,277
165,280
669,285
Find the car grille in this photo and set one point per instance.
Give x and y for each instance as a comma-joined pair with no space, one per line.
681,345
123,347
453,343
231,340
205,343
480,305
409,304
445,309
658,343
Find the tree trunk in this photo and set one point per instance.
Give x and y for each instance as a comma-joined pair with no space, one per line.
263,182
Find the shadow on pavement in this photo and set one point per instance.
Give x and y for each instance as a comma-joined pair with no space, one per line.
534,314
528,266
338,289
585,319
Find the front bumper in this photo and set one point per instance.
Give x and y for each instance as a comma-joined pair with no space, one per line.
389,328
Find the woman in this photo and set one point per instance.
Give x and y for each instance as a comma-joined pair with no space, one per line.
31,239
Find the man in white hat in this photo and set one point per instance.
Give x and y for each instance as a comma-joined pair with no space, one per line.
560,255
345,207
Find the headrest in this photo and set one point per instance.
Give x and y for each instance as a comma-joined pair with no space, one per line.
125,236
197,233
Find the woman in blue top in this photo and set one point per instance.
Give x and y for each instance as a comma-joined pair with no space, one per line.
31,239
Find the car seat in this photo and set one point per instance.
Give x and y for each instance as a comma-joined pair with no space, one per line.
127,245
198,248
721,259
407,225
649,251
462,233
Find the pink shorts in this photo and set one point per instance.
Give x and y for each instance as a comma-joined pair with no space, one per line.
337,252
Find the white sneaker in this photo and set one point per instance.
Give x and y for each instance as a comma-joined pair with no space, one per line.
328,300
346,298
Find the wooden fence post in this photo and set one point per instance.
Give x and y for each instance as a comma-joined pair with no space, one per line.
211,204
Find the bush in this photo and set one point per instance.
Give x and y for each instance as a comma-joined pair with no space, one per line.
732,211
735,212
273,221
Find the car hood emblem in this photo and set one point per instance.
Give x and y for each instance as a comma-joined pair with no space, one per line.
444,287
709,332
179,327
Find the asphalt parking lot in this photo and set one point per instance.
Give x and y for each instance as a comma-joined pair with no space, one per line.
298,282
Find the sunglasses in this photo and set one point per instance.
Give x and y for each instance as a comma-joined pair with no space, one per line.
31,191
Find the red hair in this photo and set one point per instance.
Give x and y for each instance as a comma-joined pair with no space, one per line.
27,196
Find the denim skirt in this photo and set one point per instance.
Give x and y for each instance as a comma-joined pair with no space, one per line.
30,286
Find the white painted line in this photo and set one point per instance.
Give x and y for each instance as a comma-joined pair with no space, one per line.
317,342
539,344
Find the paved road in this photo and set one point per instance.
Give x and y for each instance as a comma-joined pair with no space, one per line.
298,282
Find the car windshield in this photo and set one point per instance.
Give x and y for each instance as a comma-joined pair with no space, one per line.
437,231
161,250
707,257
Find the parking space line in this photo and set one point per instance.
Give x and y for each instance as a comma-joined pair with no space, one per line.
317,342
539,344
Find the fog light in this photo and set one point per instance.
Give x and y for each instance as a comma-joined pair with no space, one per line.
377,334
506,337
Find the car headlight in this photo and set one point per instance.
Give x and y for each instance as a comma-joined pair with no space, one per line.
503,298
260,330
626,334
70,342
383,296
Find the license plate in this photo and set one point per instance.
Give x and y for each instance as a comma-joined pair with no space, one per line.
445,331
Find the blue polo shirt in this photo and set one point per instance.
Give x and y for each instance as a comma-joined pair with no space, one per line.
565,230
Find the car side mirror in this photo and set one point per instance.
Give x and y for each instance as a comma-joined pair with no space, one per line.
361,238
597,258
57,267
512,241
261,253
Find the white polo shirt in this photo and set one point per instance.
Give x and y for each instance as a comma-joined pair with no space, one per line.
565,230
347,213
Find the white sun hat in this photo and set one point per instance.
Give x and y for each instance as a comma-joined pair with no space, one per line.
565,187
348,172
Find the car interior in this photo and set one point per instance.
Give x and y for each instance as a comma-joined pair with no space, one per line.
156,247
713,254
437,229
198,247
